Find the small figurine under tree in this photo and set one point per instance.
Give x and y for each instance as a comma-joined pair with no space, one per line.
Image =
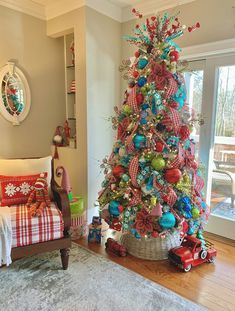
153,184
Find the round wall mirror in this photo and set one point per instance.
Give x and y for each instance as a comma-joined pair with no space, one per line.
14,94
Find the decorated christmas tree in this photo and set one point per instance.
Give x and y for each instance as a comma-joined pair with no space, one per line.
153,184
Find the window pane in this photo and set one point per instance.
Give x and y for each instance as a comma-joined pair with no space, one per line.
194,86
222,195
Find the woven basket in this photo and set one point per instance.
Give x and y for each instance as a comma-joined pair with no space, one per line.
150,248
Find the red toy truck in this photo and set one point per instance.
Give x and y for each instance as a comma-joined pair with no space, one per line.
115,247
191,253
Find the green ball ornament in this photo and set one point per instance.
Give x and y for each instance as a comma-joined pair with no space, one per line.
149,156
167,221
122,184
195,212
127,109
158,163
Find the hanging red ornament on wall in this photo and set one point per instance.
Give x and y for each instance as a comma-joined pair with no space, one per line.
173,175
118,171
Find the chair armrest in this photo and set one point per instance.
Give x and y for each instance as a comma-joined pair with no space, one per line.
230,175
60,196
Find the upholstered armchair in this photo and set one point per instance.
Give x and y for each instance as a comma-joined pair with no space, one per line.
33,235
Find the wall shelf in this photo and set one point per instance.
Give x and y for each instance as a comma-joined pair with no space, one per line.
70,96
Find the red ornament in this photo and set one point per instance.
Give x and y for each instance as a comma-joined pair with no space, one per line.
172,175
139,98
118,171
120,208
137,54
192,28
159,146
116,225
135,74
184,229
184,132
174,56
155,234
174,105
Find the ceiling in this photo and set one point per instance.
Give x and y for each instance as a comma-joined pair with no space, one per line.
119,10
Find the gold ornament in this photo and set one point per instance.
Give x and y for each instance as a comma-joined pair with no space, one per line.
184,185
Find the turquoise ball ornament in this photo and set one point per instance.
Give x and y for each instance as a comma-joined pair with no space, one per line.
139,141
142,63
113,208
125,177
142,81
167,221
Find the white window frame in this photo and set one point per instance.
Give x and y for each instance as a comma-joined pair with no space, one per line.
216,54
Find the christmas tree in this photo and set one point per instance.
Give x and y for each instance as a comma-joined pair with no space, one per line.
153,185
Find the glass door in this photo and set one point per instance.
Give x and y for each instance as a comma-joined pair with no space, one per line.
210,87
222,160
193,77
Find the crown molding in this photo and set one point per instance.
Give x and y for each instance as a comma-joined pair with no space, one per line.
59,7
25,6
151,6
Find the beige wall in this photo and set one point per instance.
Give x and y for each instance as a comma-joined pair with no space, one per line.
103,44
98,52
23,39
217,19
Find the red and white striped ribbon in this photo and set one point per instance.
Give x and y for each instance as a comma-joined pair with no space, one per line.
175,118
132,100
172,87
133,171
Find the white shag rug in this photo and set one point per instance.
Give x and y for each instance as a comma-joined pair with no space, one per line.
91,283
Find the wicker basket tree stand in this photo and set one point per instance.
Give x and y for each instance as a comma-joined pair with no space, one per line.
150,248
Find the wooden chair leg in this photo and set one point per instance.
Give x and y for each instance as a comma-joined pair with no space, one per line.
64,253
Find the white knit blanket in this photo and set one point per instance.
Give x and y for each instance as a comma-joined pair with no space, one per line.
5,236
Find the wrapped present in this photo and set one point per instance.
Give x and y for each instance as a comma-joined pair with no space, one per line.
94,234
77,206
78,226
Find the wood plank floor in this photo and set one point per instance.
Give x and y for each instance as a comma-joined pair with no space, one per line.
210,285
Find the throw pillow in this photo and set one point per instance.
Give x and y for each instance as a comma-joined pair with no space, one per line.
16,189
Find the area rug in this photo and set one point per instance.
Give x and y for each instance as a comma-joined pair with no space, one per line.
92,283
224,209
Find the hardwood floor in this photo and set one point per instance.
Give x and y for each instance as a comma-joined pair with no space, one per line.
210,285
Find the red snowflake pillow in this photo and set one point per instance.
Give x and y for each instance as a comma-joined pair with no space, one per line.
16,189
